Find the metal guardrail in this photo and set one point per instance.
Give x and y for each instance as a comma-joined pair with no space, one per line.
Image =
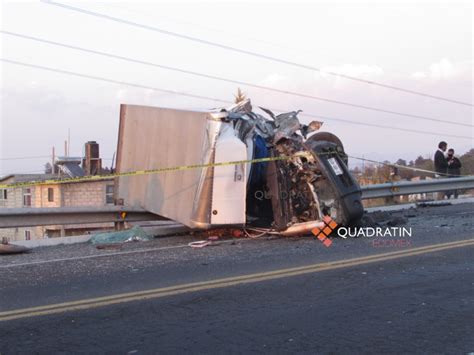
398,188
28,217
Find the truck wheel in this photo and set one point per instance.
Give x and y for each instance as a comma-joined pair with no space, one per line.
329,137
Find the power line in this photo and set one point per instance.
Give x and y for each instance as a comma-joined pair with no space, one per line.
215,29
213,77
38,157
384,127
4,175
65,72
250,53
25,158
404,167
111,80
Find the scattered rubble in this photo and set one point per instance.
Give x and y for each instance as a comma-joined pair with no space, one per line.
383,219
437,204
7,248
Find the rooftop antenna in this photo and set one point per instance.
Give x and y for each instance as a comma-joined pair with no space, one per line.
113,160
52,161
68,140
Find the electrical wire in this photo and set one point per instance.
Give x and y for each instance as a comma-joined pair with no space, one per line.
233,81
248,52
385,127
404,167
39,157
3,175
111,80
25,158
66,72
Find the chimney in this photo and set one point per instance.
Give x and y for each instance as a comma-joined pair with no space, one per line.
91,162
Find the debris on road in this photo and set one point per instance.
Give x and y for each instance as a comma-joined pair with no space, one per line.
7,248
200,244
383,218
434,204
135,234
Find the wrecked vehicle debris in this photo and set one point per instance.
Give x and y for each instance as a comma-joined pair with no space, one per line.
135,234
294,179
7,248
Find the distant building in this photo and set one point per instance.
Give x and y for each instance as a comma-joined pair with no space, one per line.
58,194
85,193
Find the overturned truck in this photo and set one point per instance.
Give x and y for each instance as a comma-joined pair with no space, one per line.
234,167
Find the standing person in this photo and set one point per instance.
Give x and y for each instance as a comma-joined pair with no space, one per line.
454,170
441,164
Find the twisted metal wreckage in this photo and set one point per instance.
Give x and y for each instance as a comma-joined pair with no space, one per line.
273,174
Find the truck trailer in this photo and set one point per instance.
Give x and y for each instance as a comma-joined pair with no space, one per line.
233,167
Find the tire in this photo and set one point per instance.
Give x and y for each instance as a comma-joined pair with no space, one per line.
331,138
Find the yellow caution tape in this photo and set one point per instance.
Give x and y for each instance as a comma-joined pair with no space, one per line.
153,171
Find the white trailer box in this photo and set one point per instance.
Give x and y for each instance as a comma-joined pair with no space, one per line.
156,138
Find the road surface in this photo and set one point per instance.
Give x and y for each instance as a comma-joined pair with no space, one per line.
263,295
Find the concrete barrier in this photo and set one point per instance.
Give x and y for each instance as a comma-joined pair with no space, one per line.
46,242
163,229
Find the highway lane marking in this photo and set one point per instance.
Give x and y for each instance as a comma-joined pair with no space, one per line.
39,262
221,283
170,247
93,256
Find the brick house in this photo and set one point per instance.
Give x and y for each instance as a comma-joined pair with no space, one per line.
85,193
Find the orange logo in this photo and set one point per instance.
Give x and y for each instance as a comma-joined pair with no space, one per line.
322,234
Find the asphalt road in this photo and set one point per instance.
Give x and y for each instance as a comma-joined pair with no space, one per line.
273,296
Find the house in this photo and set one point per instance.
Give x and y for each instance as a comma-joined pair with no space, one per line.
57,194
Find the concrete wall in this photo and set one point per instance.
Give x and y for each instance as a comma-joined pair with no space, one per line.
15,196
84,194
41,196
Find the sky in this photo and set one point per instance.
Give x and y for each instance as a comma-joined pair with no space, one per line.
424,46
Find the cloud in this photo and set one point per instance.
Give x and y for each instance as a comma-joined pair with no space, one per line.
274,79
419,75
353,70
306,83
444,69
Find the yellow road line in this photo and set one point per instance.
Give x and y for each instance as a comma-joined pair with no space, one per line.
221,283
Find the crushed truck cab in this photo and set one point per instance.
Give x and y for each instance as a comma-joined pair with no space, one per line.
234,167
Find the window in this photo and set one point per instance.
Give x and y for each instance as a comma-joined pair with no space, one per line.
27,197
109,194
27,235
3,194
50,194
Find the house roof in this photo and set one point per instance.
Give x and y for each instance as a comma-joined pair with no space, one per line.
28,177
71,169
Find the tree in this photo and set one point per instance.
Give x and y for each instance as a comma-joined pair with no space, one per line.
401,162
467,161
356,171
405,174
424,164
240,96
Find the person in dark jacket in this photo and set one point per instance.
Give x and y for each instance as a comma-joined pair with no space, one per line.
440,161
454,170
441,164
